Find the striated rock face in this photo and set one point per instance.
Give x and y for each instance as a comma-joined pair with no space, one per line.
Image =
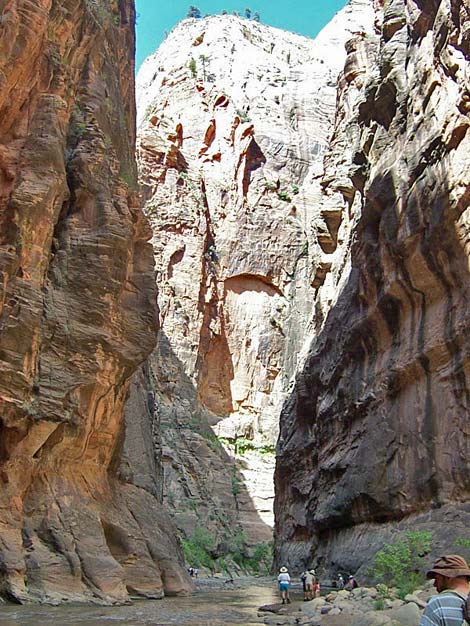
77,309
375,435
234,120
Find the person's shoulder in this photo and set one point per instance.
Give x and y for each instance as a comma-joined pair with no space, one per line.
445,598
448,594
434,600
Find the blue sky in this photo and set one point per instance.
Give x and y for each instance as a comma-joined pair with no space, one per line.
305,17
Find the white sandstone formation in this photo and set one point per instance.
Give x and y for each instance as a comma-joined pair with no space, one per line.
234,120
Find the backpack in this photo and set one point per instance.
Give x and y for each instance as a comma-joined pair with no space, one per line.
465,606
466,609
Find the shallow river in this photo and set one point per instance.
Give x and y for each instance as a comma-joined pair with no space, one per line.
236,607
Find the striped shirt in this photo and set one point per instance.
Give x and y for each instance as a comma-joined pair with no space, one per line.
446,609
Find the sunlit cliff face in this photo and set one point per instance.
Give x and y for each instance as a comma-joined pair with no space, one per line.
234,122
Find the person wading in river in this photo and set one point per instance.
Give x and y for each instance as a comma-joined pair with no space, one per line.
309,582
452,581
284,581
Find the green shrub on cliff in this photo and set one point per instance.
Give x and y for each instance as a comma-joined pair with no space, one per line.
192,67
400,564
197,550
464,547
261,561
254,559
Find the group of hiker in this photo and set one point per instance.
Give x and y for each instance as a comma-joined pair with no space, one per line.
451,575
310,584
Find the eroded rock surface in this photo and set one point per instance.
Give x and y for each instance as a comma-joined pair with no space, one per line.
375,435
234,120
77,309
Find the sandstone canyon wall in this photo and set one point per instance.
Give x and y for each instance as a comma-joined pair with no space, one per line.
234,118
77,310
375,435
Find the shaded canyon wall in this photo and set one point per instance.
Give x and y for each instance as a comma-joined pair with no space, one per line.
375,435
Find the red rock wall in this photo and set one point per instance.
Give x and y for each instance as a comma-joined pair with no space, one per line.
375,437
77,307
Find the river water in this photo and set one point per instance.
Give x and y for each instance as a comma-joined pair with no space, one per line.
237,607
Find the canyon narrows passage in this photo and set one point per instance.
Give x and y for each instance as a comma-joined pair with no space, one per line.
234,120
285,294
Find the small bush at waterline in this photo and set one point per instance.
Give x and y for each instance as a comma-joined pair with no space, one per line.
400,564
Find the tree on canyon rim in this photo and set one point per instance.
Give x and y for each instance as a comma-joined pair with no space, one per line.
193,12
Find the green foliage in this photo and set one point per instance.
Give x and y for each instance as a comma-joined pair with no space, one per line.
200,551
283,195
129,179
242,444
261,561
270,186
236,485
275,323
212,440
464,543
379,604
81,127
29,408
261,555
193,12
148,110
102,14
383,591
237,548
192,67
197,550
399,565
243,115
204,60
194,423
295,189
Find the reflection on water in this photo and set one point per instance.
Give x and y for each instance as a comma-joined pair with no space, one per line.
205,608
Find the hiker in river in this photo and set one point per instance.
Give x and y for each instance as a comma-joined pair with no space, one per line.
303,577
284,581
451,576
308,580
316,587
351,584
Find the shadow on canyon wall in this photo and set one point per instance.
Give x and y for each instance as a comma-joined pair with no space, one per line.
375,437
171,450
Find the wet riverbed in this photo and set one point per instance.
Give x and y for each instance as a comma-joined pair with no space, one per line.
237,607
